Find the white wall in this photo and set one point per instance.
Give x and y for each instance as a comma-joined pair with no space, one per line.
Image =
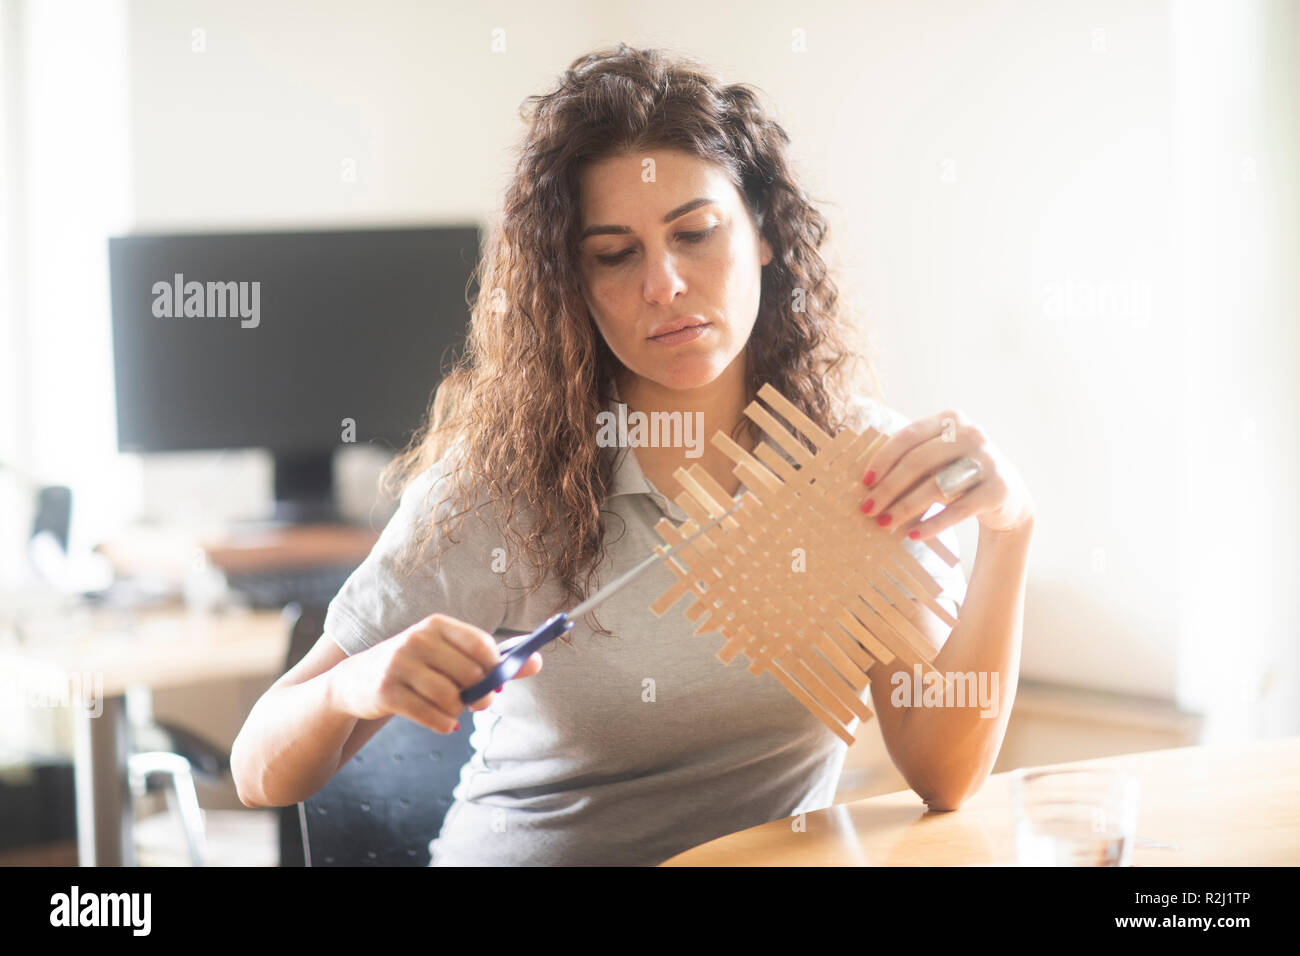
14,422
257,127
1237,233
1010,185
66,188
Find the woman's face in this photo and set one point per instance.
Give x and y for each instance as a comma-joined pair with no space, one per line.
679,247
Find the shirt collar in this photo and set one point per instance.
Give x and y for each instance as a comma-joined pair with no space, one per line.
628,478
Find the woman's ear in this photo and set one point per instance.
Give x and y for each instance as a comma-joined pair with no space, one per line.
765,251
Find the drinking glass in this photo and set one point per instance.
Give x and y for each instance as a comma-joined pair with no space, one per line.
1074,817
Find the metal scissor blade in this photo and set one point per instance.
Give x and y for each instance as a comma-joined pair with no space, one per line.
627,576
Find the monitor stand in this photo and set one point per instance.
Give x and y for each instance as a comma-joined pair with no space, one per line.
304,488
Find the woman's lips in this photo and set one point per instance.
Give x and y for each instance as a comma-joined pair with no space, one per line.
689,334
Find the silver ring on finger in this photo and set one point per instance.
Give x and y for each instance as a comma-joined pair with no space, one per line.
956,478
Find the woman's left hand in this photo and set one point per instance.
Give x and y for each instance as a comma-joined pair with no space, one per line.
901,486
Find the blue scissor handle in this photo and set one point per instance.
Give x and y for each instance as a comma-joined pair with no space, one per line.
517,656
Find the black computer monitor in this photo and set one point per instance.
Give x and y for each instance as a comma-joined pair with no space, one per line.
296,342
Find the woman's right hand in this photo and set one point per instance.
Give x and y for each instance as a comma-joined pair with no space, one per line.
420,673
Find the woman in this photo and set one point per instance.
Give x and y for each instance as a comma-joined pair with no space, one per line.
654,250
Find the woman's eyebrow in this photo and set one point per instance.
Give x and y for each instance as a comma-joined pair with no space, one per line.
677,213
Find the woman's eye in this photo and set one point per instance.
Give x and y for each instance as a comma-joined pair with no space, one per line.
691,237
698,236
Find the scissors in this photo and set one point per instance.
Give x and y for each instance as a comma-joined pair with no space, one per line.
563,622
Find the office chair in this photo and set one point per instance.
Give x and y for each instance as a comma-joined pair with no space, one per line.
307,624
384,805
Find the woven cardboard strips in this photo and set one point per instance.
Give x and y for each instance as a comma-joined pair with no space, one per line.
799,580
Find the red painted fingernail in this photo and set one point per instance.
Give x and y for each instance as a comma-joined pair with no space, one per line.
457,727
914,534
870,479
868,505
499,688
884,520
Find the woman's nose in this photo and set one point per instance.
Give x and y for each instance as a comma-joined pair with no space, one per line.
662,280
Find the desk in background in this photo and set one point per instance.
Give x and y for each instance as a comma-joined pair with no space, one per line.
158,649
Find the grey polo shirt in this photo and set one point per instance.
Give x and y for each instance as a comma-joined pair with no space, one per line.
623,749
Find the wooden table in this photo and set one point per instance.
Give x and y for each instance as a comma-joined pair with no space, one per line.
1226,805
157,649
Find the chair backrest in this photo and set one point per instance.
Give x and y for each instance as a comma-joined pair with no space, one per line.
383,806
306,623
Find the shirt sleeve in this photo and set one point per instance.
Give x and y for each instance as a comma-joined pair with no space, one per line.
952,580
397,584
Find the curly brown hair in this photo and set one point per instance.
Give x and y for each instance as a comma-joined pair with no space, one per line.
516,413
